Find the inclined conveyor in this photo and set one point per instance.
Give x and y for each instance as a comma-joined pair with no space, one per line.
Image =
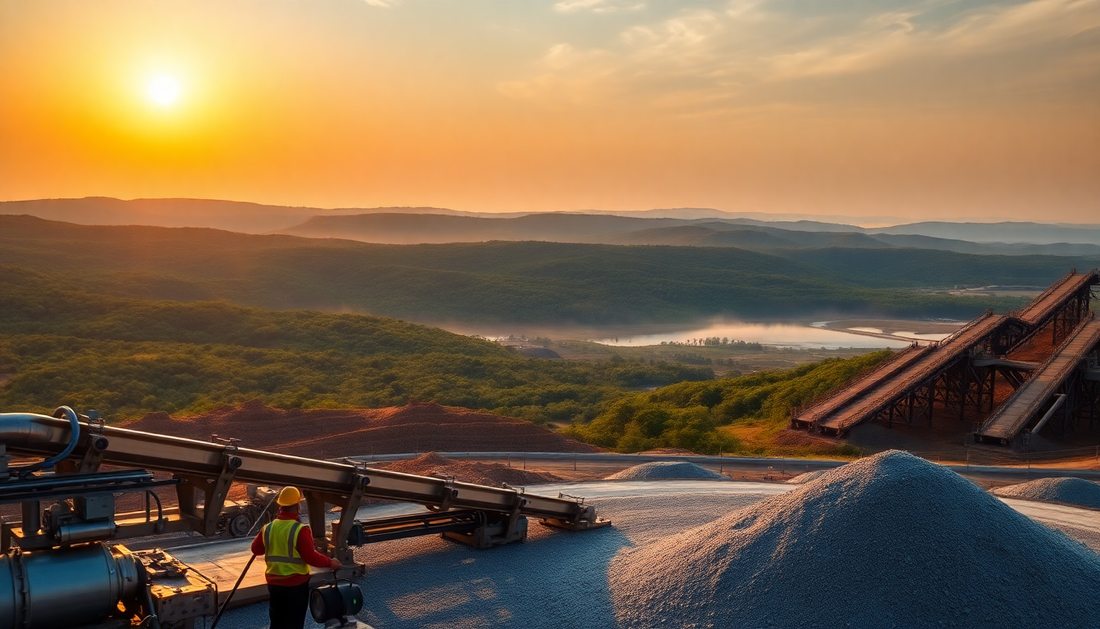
1026,402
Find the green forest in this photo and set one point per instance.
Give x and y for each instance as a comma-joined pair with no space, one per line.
515,282
735,415
125,357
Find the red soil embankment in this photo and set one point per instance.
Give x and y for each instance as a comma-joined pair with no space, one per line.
325,433
469,472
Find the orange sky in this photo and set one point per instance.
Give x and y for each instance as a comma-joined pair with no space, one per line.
916,109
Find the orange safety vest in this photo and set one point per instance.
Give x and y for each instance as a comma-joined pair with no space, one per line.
280,544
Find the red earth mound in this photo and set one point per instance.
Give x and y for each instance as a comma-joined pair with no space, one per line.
325,433
469,472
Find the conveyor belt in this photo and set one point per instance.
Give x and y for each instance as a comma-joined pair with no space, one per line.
1022,406
1052,298
204,464
928,366
833,404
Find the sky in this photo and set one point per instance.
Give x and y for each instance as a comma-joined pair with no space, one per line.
933,109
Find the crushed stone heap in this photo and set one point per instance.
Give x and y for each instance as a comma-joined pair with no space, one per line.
1074,491
887,541
802,479
666,470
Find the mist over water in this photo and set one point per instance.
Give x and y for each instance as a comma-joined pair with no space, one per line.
777,334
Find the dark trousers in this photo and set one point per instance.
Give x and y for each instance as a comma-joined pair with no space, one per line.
288,605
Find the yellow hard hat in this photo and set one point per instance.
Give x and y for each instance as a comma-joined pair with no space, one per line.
289,496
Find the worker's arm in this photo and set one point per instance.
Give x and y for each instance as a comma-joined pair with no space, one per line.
309,554
258,544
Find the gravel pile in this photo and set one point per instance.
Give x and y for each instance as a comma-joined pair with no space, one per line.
1074,491
802,479
666,470
887,541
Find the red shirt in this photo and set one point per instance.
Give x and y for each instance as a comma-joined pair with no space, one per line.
304,546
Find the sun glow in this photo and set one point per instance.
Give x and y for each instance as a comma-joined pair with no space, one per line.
163,90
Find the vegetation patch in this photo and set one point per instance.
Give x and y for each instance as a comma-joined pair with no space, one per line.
126,357
742,415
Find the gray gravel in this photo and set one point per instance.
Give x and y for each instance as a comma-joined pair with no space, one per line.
555,579
887,541
666,469
802,479
560,579
1074,491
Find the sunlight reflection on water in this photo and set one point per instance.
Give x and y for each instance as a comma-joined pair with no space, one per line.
779,335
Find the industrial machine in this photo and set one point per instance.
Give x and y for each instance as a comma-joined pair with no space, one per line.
62,565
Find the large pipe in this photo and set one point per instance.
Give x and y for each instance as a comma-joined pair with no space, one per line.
23,428
65,587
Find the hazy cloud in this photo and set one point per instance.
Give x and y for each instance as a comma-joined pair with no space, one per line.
597,6
734,55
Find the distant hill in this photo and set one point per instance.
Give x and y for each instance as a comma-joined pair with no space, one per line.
696,227
231,215
248,218
406,228
512,281
425,228
1006,232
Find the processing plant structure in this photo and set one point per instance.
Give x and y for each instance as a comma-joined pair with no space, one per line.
63,564
959,374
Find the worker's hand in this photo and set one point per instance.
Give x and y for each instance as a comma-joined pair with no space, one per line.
335,564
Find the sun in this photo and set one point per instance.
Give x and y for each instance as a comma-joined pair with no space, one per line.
163,90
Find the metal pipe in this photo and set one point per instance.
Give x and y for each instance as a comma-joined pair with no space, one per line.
1050,413
49,462
85,532
160,509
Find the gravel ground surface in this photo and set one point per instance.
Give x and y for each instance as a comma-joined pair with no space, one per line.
888,541
802,479
666,469
560,579
553,580
1074,491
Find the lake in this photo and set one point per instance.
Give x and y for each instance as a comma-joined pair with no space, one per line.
775,334
818,335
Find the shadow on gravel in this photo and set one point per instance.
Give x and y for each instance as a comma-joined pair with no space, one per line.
554,579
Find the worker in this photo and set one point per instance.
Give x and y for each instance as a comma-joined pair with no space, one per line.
287,547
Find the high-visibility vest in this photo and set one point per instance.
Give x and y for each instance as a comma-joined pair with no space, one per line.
280,541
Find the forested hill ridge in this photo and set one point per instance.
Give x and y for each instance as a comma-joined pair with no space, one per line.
126,357
514,282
